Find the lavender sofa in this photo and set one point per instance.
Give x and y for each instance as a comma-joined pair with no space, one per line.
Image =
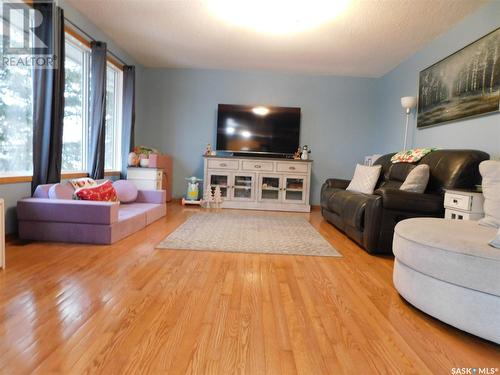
51,215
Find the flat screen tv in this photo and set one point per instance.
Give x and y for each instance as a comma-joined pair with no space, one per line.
258,129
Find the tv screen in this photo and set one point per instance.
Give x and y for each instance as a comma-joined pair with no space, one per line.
258,129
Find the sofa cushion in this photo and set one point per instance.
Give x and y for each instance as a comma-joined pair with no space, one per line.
365,179
490,171
399,172
417,179
63,190
127,212
104,192
82,182
155,212
128,223
350,206
126,191
326,194
354,210
42,191
337,200
71,211
454,251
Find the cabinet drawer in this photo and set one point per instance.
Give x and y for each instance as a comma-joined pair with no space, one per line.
248,165
144,174
292,167
457,201
222,164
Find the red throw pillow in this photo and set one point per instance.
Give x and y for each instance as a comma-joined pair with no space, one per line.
104,192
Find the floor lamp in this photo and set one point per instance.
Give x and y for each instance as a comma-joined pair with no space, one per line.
408,103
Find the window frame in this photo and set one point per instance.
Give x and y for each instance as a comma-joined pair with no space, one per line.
12,178
20,175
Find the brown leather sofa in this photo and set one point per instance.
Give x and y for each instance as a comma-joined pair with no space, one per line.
370,219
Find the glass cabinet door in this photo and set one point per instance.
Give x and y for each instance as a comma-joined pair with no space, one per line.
243,185
294,189
222,180
269,188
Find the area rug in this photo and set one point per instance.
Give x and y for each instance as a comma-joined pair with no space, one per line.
249,232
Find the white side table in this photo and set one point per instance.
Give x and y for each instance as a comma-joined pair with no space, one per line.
146,178
463,204
2,234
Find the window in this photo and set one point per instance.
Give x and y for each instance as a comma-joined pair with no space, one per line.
16,114
76,110
16,126
112,157
75,106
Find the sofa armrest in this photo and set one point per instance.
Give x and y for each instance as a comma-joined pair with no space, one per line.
67,211
373,223
400,200
151,196
337,183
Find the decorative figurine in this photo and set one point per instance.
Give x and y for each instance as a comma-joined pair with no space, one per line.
297,154
208,197
305,152
208,150
133,159
217,196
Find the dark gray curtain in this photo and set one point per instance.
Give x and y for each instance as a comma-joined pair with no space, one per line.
48,101
97,108
128,115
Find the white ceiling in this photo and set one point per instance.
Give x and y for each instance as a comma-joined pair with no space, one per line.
368,39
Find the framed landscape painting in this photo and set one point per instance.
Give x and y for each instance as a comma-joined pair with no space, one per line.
462,85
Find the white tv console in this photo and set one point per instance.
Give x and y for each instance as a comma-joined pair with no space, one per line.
260,183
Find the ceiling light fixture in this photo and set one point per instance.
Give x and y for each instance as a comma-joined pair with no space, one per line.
261,111
277,17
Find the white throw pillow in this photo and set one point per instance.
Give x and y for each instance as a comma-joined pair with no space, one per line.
490,170
496,241
365,179
417,179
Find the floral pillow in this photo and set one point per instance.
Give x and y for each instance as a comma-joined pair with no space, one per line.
411,156
79,183
104,192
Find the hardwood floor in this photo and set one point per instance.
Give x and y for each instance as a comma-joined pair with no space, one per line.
131,309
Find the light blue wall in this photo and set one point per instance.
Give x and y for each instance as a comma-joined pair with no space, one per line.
180,116
343,118
11,193
479,133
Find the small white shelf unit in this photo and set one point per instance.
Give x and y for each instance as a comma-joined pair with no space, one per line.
463,205
260,183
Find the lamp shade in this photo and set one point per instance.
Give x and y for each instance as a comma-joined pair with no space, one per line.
409,102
